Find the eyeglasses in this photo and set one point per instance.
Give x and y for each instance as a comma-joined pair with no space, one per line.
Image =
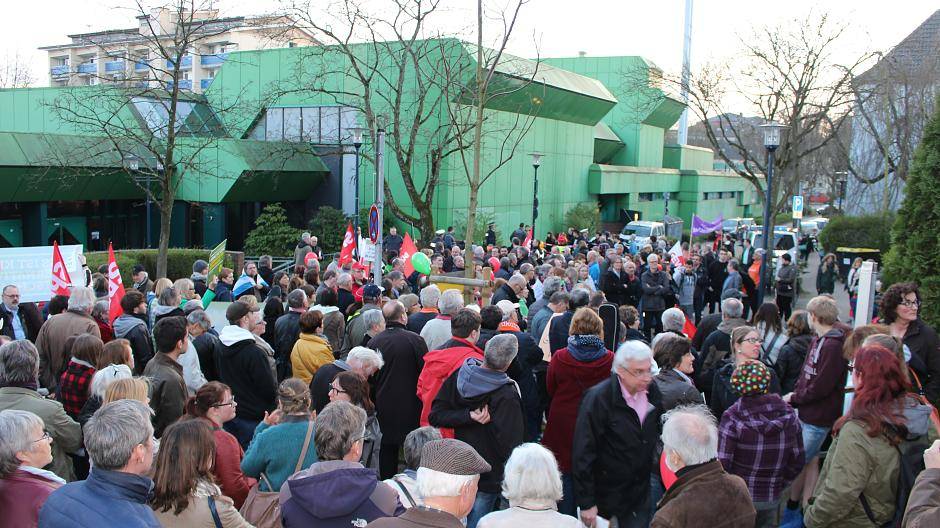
910,304
336,390
233,403
752,340
45,436
644,374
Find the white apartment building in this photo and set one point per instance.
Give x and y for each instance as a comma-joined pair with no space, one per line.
131,55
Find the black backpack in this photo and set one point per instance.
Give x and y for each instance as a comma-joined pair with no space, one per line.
911,454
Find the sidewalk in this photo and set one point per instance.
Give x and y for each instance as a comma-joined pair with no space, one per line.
808,288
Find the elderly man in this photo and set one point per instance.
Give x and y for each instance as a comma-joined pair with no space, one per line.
19,372
437,331
447,480
429,297
717,346
523,367
615,441
515,288
374,322
540,312
337,490
303,247
53,337
406,483
287,331
397,406
441,363
655,285
361,360
344,290
119,440
245,369
482,404
207,345
18,320
673,321
703,494
357,326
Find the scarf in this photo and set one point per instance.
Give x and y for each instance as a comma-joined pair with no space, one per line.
508,326
586,347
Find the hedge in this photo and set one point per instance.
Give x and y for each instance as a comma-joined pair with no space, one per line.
179,262
873,231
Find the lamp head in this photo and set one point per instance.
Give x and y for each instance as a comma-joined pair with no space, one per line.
536,158
772,134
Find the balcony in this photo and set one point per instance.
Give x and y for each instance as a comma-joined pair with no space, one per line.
213,61
141,65
89,68
114,66
58,71
185,84
185,64
204,84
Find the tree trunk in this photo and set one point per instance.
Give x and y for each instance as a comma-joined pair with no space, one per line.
477,140
166,216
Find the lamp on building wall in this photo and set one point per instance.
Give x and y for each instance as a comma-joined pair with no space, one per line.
356,134
536,162
771,142
132,164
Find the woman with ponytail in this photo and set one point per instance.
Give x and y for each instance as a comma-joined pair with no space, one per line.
213,403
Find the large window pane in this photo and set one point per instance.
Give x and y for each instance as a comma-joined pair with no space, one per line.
349,118
292,124
274,126
329,124
257,131
311,125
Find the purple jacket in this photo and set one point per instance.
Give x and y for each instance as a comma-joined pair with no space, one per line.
760,440
820,389
337,494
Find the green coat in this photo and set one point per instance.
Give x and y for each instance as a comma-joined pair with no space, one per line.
66,433
856,463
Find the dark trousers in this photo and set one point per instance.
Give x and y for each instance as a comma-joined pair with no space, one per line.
388,460
242,429
568,504
652,319
785,306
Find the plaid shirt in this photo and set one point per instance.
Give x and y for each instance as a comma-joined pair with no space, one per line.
74,385
760,440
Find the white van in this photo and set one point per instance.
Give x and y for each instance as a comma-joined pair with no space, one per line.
638,232
785,241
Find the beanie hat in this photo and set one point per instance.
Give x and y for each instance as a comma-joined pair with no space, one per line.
751,378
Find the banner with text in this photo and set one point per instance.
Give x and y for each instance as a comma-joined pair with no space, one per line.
28,269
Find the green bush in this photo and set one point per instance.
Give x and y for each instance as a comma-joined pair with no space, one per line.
583,216
857,232
272,234
482,221
915,238
179,262
329,226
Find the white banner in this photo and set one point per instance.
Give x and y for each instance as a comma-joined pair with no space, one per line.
30,270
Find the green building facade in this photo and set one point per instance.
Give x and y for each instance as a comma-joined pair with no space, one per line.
274,126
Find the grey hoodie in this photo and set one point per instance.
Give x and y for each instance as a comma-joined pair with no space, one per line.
125,323
473,380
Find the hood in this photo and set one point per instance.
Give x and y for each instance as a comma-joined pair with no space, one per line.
586,348
767,414
232,334
324,309
473,380
730,324
800,343
198,277
159,309
348,485
125,323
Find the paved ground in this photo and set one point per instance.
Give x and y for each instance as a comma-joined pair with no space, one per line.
808,288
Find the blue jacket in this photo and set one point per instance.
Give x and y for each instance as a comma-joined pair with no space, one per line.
107,498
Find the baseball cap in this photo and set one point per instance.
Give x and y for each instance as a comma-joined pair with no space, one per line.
236,311
507,306
359,266
371,291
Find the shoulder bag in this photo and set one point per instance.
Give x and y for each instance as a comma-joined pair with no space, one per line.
261,508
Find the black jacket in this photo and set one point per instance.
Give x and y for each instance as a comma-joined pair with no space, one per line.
520,370
615,287
504,293
345,298
417,320
613,454
656,287
396,384
925,358
320,384
790,361
723,395
706,326
286,332
29,318
245,369
717,273
493,441
209,350
223,292
558,331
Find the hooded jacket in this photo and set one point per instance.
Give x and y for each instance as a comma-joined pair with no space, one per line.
715,349
470,388
438,366
134,329
334,325
790,361
760,440
245,369
723,394
570,374
819,393
309,353
336,493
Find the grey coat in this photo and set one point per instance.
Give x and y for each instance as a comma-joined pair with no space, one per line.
786,275
655,288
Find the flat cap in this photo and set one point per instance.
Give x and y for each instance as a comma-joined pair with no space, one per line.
236,311
453,457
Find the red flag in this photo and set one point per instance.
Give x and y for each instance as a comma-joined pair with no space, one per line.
689,329
60,274
527,243
349,245
115,286
408,249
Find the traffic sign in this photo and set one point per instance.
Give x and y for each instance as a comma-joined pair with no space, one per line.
374,223
797,207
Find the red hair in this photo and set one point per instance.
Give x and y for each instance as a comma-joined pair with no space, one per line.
879,397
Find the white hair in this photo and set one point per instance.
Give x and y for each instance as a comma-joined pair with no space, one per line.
652,257
104,377
365,357
732,308
343,279
690,431
432,483
451,302
673,319
532,475
430,295
473,306
82,299
631,351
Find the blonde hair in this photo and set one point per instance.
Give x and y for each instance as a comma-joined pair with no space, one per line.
127,389
161,284
586,322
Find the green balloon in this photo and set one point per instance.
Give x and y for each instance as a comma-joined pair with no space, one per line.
421,263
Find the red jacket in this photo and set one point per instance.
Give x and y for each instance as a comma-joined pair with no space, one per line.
438,366
228,471
567,380
21,496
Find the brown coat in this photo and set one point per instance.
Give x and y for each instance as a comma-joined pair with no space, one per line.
923,506
197,513
706,496
53,354
418,517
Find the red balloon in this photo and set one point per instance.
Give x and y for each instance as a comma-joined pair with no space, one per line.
494,263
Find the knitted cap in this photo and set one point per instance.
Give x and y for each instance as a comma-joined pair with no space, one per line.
453,457
751,378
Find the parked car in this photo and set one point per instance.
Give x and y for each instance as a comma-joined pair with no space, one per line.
638,232
785,241
736,225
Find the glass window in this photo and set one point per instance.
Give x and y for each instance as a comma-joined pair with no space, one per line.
292,124
274,126
311,125
636,229
329,124
257,131
349,118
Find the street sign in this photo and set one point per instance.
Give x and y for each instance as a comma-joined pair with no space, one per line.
797,207
374,223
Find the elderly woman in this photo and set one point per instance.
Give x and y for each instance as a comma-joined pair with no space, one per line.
100,313
532,485
673,355
745,347
406,483
760,440
25,448
374,323
351,387
900,307
168,305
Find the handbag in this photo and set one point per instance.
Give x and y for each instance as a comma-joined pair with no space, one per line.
262,508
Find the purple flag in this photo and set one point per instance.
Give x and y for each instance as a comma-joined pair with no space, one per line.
701,227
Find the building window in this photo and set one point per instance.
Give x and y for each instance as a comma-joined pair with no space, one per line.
711,196
313,124
646,197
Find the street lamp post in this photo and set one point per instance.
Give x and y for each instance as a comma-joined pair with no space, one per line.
132,164
536,161
771,142
842,183
357,133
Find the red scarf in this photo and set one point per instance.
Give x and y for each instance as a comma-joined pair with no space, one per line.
508,326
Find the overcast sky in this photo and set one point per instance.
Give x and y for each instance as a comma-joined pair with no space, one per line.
553,27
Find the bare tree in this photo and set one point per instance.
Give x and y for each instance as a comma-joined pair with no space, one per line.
15,72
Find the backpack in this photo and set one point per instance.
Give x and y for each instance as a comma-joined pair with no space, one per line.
911,463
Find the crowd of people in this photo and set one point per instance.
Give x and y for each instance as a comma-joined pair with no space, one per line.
579,382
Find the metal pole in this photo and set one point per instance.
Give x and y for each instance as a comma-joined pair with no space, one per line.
686,73
768,231
148,210
379,202
356,214
666,197
535,201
